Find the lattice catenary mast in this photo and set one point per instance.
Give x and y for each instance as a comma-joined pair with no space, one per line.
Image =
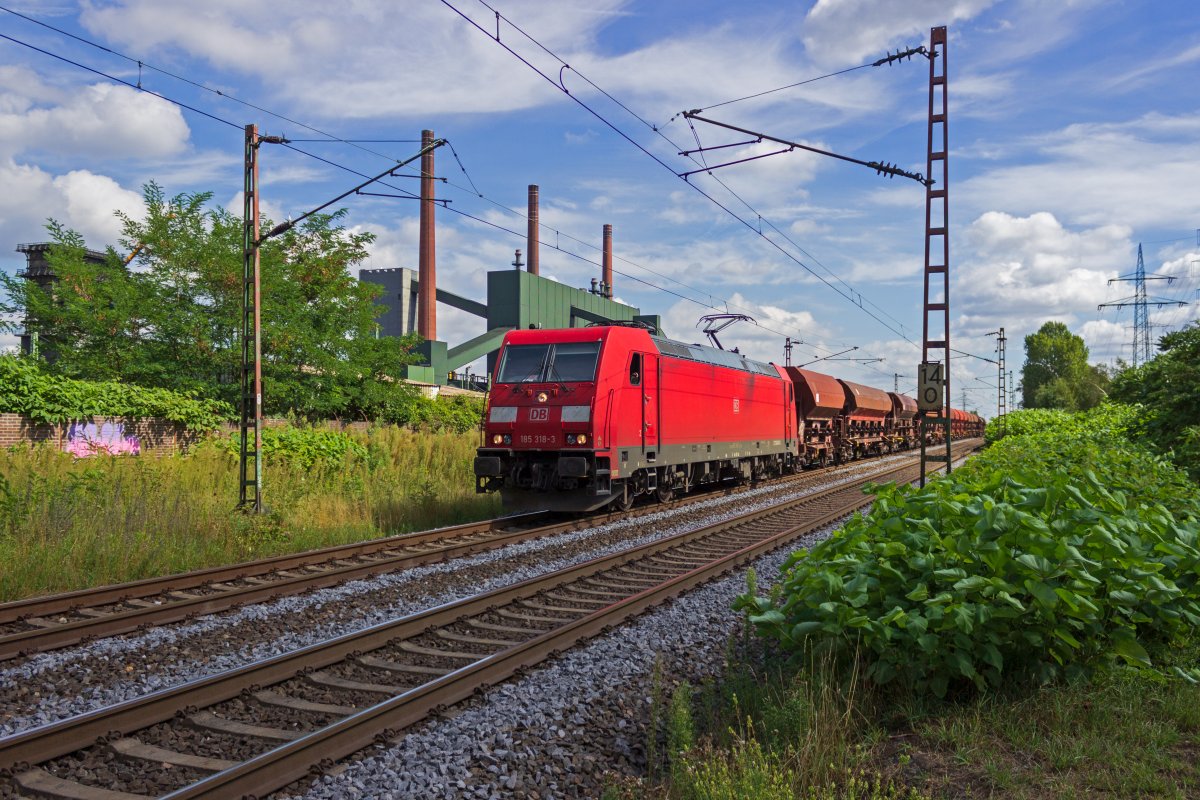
936,351
1002,394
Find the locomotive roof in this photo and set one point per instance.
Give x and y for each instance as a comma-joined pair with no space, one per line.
667,347
711,355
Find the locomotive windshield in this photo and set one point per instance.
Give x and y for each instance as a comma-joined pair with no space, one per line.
566,362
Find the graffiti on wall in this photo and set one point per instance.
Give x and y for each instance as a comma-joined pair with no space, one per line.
108,438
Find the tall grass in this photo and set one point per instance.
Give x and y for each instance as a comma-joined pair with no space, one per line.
779,733
68,523
818,730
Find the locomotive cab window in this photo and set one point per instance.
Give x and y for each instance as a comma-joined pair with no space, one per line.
574,361
523,363
635,369
566,362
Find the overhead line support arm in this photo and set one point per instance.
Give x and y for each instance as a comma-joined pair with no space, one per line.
880,167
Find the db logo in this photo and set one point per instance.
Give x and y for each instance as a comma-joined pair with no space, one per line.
539,415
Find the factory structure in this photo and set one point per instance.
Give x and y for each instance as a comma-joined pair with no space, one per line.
518,297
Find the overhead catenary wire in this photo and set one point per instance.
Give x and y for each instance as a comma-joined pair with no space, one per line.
220,93
474,188
407,195
557,82
332,138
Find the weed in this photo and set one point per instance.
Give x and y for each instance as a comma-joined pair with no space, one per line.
69,523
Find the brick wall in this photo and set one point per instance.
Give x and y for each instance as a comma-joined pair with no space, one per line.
155,436
358,426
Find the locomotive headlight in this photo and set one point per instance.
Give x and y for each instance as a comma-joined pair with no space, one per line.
581,439
570,438
497,439
542,397
507,439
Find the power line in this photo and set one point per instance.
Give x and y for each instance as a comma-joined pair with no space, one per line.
184,79
558,83
334,138
116,79
474,188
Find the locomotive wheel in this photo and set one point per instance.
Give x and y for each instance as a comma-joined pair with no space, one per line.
665,493
625,501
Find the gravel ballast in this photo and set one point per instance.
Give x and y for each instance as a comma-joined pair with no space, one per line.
567,728
54,686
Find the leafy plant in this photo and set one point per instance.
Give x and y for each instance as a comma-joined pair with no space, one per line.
1046,555
1167,383
172,319
304,447
25,389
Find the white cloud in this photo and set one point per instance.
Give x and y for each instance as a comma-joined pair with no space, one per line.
838,32
351,62
91,202
79,199
102,120
1020,272
1138,76
1137,171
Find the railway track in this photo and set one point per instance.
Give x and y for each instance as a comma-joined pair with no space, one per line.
258,728
41,624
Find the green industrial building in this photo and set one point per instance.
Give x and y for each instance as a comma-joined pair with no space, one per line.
515,299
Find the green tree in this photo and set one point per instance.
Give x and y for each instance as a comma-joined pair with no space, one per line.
172,318
1056,373
1169,384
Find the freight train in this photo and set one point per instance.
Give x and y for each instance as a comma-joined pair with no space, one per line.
582,418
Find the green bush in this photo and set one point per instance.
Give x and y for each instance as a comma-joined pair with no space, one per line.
1045,556
1110,419
25,389
306,448
458,414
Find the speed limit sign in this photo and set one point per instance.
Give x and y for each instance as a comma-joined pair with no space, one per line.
931,387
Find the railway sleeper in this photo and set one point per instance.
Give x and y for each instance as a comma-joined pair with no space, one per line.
536,606
550,621
297,704
420,650
374,662
459,637
208,721
137,749
491,626
325,680
582,600
43,784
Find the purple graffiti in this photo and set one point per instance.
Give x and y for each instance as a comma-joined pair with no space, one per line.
89,439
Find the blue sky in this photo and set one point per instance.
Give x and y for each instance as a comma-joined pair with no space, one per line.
1073,128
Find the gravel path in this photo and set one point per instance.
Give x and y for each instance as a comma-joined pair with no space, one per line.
54,686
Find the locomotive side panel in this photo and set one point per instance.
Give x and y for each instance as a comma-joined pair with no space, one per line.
653,416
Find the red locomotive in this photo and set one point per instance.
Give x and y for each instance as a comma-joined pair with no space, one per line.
583,417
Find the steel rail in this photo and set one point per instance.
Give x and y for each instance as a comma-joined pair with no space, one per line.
271,584
19,752
67,602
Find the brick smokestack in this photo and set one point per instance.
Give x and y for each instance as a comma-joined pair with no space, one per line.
606,276
532,247
427,265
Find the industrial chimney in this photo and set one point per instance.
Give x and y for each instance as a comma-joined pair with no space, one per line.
532,246
606,278
427,265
